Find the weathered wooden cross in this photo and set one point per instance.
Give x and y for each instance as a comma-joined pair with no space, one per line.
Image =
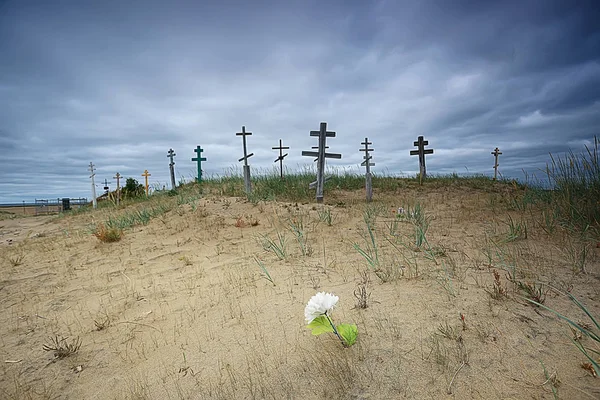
118,178
170,155
247,183
146,174
94,201
496,153
321,155
367,163
420,143
281,156
199,159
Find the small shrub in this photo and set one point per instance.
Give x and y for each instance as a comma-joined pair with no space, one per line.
108,235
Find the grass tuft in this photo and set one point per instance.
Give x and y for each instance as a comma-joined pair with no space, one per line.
108,235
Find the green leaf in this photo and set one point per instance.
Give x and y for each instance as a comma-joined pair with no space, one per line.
320,325
348,333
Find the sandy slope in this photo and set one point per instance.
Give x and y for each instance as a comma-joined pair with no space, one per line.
187,314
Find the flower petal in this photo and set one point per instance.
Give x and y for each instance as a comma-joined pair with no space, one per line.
319,304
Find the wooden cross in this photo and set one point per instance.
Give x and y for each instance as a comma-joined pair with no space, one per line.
321,155
420,143
281,156
496,153
170,155
118,178
367,163
94,201
247,183
146,174
198,150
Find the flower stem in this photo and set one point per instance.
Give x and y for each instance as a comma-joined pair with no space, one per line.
336,331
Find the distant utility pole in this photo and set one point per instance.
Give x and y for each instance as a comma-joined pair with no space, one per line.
420,143
170,155
94,201
367,163
118,178
247,182
146,174
496,153
106,188
281,156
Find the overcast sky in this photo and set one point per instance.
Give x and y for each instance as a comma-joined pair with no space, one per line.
120,82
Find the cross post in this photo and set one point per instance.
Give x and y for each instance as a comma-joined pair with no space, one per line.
281,157
496,153
247,182
322,134
420,143
199,159
146,174
368,164
94,200
118,178
170,155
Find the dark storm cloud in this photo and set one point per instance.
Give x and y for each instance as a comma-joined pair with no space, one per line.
119,83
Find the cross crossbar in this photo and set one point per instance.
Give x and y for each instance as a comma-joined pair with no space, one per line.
316,154
416,152
318,133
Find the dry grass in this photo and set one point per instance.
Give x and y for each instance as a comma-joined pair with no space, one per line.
108,235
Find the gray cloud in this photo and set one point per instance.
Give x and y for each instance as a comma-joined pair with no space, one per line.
120,83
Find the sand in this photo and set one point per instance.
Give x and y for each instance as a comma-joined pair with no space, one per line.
179,308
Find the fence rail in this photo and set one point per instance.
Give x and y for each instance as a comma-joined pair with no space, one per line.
45,206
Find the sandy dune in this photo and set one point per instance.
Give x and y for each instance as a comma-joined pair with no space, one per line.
179,309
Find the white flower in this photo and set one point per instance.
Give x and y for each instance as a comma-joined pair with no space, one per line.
318,305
